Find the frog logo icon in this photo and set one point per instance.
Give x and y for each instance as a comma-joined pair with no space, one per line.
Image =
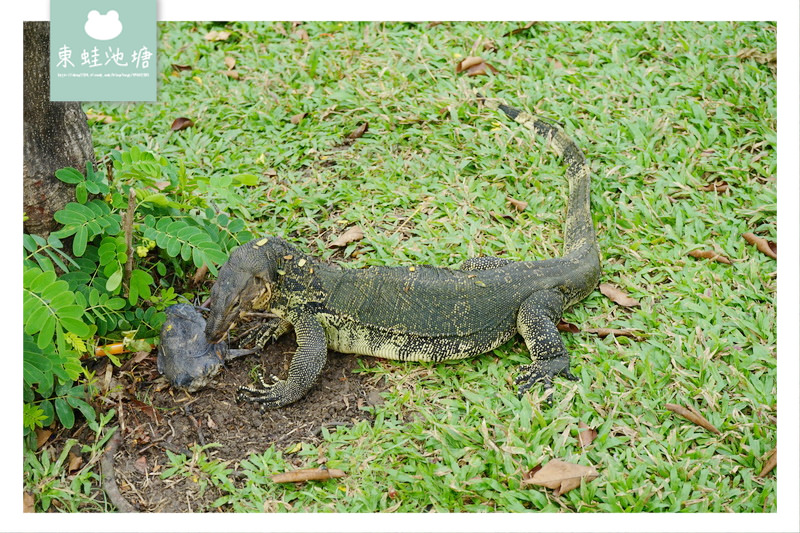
102,27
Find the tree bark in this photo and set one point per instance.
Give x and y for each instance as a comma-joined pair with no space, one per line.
56,135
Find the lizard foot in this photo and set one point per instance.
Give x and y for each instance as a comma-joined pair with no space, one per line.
263,333
544,372
265,394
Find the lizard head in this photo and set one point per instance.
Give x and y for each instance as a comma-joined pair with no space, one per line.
244,282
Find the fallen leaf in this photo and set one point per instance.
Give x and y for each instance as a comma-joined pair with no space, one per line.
560,476
271,172
141,465
716,186
215,35
181,123
768,58
99,117
618,296
567,326
28,503
474,66
690,414
308,474
210,422
555,62
231,74
74,463
161,185
280,29
41,436
585,434
605,332
518,204
763,245
297,118
353,233
770,464
200,274
301,34
710,254
179,68
230,62
359,131
519,30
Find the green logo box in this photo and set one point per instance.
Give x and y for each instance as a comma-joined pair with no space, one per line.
103,50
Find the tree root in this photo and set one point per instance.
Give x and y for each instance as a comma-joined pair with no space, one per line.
108,482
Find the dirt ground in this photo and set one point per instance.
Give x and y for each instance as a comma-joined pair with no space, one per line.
153,417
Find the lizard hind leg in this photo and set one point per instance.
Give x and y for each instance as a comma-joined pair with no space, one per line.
536,322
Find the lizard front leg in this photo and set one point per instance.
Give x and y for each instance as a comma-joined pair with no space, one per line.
536,322
265,332
307,363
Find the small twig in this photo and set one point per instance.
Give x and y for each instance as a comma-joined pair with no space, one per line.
127,228
693,416
107,475
308,474
194,421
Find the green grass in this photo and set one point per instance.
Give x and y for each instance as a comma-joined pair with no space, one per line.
659,109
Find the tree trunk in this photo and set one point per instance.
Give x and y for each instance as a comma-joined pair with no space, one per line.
56,135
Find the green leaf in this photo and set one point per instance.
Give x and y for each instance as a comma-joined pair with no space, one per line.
246,179
80,192
69,175
65,414
79,242
114,281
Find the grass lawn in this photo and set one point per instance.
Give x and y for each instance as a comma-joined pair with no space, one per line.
663,112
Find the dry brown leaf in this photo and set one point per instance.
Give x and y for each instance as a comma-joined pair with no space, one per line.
42,435
181,123
771,463
716,186
271,172
585,434
231,74
297,118
605,332
359,131
763,245
28,503
141,464
710,254
74,462
691,414
567,326
215,35
301,34
230,62
353,233
200,274
518,204
617,295
179,68
474,66
99,117
280,29
560,476
555,62
308,474
769,57
519,30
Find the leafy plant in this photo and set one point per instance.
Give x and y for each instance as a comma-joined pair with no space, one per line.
105,290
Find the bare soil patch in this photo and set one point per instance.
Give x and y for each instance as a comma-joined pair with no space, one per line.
153,417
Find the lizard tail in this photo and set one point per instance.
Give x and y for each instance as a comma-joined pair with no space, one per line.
579,234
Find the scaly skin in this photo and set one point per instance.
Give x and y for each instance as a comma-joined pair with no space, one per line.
415,313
